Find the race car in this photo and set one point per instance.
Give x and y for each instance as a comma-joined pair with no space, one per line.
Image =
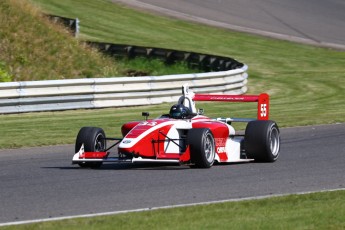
185,136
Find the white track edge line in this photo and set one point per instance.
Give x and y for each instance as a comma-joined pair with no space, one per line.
162,207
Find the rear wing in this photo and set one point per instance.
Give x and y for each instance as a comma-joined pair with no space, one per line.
189,98
262,101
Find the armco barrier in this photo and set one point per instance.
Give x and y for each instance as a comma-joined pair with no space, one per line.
31,96
204,62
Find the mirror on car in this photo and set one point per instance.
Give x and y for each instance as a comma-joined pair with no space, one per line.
145,114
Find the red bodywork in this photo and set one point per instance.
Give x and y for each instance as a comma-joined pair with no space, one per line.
152,137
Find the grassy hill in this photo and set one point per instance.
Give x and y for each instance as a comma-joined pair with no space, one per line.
33,48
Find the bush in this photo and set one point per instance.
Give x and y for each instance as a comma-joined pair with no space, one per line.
4,76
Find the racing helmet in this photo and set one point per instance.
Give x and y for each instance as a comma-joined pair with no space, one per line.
179,111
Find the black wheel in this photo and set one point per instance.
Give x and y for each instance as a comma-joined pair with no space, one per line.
94,141
262,141
202,147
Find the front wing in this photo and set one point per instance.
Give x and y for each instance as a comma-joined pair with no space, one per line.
83,156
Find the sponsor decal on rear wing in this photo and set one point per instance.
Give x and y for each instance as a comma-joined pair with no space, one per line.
262,101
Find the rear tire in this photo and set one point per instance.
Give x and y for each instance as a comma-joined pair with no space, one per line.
94,141
262,141
202,147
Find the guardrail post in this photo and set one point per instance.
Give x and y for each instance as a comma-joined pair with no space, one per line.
76,34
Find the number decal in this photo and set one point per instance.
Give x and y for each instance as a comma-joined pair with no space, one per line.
263,110
152,123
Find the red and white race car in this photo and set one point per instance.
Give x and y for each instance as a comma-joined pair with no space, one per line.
185,136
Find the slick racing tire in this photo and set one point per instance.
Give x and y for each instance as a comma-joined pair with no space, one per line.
202,147
94,141
262,141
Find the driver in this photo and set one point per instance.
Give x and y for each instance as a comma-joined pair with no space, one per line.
179,111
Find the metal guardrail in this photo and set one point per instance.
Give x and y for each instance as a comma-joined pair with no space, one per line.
33,96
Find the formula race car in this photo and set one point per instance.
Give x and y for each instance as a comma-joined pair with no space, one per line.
185,136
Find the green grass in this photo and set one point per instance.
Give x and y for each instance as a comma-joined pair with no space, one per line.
312,211
141,66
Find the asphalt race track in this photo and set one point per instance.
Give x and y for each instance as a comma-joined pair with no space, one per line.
318,22
41,182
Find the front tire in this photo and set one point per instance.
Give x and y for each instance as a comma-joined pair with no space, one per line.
202,147
262,141
94,140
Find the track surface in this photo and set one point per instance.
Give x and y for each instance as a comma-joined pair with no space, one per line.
41,182
318,22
